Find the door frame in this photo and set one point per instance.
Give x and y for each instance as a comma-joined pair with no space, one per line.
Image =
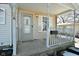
19,25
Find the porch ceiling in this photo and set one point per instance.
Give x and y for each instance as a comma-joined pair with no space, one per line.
54,8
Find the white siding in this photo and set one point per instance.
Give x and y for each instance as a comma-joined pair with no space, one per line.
5,29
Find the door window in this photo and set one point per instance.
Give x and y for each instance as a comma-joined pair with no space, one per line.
26,24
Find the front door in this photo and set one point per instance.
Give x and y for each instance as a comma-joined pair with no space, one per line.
25,26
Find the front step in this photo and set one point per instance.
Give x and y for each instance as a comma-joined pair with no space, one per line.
66,53
72,51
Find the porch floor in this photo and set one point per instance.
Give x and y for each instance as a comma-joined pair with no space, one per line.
35,47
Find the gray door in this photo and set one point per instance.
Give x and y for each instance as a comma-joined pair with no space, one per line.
25,27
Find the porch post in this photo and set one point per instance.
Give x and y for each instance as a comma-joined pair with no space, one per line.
48,29
14,27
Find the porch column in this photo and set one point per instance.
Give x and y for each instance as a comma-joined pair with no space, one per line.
14,27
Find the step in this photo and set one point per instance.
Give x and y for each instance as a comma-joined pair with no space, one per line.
73,50
66,53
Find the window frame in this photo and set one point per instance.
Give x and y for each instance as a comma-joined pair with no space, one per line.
40,23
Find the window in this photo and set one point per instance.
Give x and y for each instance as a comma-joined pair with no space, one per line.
59,20
60,29
45,21
66,17
26,24
77,16
2,16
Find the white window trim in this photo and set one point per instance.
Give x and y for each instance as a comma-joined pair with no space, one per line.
40,18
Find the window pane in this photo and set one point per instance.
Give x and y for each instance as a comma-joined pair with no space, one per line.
45,20
59,20
66,17
77,16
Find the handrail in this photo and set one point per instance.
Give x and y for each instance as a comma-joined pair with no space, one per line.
59,39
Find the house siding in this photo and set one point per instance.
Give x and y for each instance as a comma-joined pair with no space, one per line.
5,29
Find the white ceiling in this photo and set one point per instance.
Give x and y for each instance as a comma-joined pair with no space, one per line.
54,8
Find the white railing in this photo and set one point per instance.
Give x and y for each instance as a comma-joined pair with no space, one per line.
59,39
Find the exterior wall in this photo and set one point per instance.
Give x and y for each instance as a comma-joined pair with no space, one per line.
42,34
36,33
5,29
54,22
35,28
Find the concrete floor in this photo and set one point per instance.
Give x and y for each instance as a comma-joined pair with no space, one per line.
33,47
